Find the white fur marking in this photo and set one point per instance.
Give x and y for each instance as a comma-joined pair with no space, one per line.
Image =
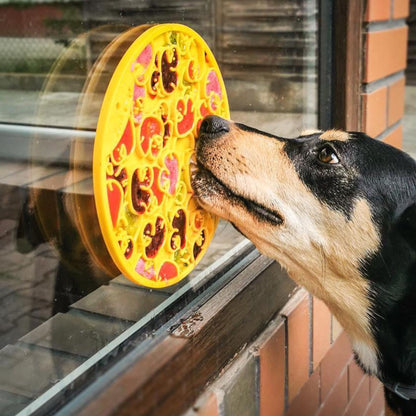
367,356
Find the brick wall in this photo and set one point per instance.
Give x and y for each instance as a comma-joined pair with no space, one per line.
385,52
301,365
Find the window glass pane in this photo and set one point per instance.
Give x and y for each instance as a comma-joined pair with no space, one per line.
409,124
62,308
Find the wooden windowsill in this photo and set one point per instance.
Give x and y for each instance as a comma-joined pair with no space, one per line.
189,352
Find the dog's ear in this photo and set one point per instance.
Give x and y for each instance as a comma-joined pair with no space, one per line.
407,224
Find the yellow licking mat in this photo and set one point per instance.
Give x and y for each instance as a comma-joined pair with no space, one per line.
164,85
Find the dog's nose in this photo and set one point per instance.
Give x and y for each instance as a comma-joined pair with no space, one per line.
214,126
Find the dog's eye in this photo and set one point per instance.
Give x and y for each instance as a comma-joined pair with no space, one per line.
327,155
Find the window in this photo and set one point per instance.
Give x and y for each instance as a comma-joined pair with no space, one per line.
61,314
409,126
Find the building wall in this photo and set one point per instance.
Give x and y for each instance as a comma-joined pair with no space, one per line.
384,63
302,364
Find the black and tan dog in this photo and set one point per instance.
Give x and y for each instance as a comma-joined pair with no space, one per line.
338,211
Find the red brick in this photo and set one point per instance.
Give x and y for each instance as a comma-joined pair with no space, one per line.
337,400
207,405
375,385
307,402
360,400
272,372
395,138
321,331
337,329
298,347
386,52
355,376
401,9
376,405
377,10
396,101
374,112
334,363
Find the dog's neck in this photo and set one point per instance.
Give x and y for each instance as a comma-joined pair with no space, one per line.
347,299
370,311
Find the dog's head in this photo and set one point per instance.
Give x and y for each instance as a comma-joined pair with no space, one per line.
321,204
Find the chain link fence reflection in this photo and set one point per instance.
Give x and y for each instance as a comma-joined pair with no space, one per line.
28,55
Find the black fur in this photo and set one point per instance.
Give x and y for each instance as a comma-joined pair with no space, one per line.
335,185
386,177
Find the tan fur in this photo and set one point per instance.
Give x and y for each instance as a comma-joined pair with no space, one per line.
320,247
339,135
388,411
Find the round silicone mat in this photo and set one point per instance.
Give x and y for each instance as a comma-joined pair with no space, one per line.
164,85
